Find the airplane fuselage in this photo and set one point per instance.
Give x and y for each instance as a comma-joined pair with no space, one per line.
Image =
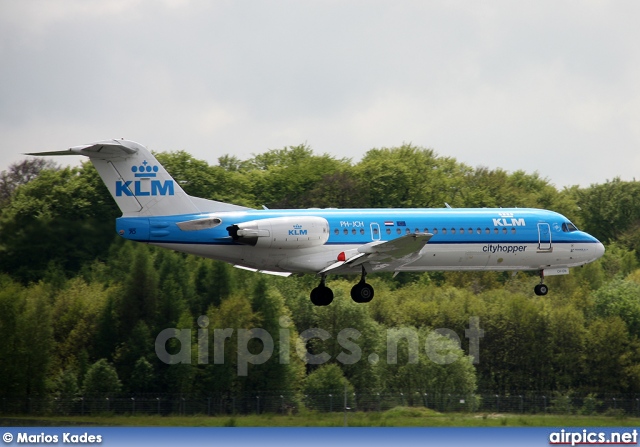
293,240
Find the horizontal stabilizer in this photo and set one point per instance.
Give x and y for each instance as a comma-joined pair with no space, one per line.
52,153
104,150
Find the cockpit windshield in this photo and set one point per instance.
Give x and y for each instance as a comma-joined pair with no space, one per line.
568,227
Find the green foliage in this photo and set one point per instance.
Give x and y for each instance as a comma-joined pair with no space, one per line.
562,403
620,298
63,216
325,388
143,377
611,210
590,405
411,177
439,369
102,380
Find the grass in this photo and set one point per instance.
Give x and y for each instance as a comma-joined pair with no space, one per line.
396,417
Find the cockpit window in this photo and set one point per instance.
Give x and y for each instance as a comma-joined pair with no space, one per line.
568,227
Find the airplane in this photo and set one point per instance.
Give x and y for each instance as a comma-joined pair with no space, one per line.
157,211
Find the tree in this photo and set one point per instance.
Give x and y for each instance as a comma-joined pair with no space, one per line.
213,283
283,178
283,371
101,380
142,378
605,362
63,217
409,176
324,388
36,336
353,337
11,307
140,292
422,361
620,298
21,173
610,210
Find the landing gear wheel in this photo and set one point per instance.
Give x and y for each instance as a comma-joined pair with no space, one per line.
541,289
321,295
362,292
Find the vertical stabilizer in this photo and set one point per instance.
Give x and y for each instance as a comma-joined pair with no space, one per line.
138,183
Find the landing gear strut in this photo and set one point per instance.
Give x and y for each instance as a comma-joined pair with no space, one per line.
362,292
541,289
322,295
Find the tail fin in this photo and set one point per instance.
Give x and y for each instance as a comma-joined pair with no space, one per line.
138,183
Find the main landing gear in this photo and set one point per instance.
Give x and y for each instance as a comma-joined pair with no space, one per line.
541,289
322,295
360,293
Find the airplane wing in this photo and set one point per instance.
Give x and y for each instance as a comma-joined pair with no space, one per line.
404,248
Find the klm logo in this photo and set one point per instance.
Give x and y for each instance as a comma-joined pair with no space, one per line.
507,220
146,188
297,231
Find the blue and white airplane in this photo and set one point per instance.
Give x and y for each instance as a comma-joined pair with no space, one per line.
157,211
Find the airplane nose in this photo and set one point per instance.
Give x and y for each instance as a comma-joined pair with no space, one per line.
599,250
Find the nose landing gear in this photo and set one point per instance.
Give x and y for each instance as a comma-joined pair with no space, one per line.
541,289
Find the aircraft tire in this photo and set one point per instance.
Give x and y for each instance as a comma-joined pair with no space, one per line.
321,296
541,289
362,293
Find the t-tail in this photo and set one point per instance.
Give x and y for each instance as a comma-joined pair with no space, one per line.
140,185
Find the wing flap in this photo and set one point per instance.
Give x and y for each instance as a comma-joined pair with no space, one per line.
396,248
389,251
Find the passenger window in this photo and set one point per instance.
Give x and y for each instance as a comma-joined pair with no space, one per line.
398,230
417,231
487,230
479,231
444,231
336,231
496,231
435,231
407,231
504,231
461,230
361,230
353,231
453,231
346,231
426,230
388,230
375,231
513,231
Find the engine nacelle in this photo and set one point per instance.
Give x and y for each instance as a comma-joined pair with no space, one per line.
282,232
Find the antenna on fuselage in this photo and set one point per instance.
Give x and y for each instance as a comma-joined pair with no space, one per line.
447,205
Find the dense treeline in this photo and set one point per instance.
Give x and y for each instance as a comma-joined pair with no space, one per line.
80,309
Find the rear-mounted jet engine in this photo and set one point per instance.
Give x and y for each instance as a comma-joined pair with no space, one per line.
282,232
